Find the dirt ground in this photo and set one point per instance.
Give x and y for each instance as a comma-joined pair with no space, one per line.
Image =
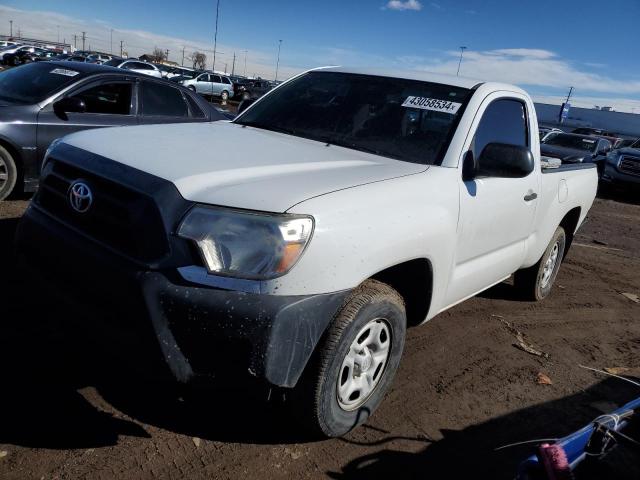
68,410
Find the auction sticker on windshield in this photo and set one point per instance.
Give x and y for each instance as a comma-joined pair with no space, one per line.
432,104
64,71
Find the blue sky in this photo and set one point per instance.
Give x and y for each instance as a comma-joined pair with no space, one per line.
543,45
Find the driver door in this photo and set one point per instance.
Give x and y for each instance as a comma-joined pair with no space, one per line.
496,214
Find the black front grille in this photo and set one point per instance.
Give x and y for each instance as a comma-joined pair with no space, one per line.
123,219
630,166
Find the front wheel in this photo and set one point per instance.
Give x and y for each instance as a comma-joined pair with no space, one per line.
356,361
224,96
8,173
535,282
192,88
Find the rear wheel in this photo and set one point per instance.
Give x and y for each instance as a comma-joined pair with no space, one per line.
246,96
8,173
535,282
224,96
356,361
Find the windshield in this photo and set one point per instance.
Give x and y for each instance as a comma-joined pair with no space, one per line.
34,82
577,142
407,120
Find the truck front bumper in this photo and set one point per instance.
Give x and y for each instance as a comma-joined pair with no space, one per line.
198,330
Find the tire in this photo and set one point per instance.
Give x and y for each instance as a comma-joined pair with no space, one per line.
224,96
192,88
246,96
535,283
374,311
8,173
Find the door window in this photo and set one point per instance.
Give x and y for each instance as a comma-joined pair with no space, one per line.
107,98
504,121
158,99
203,78
226,80
216,78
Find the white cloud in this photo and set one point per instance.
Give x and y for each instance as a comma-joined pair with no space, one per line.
406,5
437,6
528,67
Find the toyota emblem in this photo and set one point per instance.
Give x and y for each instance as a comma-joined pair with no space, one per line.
80,196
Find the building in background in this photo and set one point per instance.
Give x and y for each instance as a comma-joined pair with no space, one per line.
624,124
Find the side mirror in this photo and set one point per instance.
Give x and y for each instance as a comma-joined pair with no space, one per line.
604,150
244,104
469,167
69,105
504,160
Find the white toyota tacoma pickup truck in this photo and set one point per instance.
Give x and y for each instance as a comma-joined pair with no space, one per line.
297,243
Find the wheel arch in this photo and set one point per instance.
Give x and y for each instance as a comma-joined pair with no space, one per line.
570,223
413,280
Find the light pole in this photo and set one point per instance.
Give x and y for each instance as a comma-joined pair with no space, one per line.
215,36
462,49
11,28
278,61
58,27
111,41
245,63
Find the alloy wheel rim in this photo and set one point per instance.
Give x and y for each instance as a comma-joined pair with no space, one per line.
364,364
4,173
550,265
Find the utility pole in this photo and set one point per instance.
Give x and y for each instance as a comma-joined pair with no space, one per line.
121,42
245,63
166,52
11,28
225,66
84,35
58,27
462,49
182,56
75,41
215,37
233,67
111,41
278,61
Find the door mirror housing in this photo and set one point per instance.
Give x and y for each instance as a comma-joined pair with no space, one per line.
505,161
70,105
244,104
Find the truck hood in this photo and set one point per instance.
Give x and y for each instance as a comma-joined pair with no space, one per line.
567,155
223,163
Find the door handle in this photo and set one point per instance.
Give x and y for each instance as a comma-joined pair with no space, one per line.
530,196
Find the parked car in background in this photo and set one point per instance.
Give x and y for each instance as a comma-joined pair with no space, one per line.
77,58
11,50
42,101
629,142
593,131
622,166
98,58
211,84
297,244
572,148
544,131
22,56
7,43
171,71
134,65
250,89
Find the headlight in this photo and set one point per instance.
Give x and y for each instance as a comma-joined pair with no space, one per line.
246,245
